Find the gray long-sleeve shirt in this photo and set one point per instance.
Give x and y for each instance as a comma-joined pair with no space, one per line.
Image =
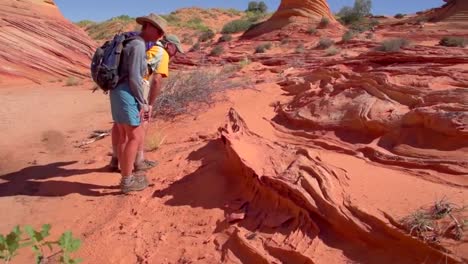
133,68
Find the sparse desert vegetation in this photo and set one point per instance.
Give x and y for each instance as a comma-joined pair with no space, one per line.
393,45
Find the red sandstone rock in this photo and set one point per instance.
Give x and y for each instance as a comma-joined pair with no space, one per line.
38,44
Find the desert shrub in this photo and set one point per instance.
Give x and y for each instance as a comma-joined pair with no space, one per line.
364,25
233,12
311,31
72,81
154,141
393,45
442,219
27,236
399,16
348,15
421,20
300,48
85,23
225,38
374,22
185,92
324,22
206,35
362,7
331,51
216,51
244,62
195,47
187,40
349,35
195,23
172,18
262,48
122,18
453,42
235,26
195,20
325,43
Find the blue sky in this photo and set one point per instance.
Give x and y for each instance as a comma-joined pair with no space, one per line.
99,10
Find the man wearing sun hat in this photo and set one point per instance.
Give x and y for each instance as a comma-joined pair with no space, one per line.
158,55
128,104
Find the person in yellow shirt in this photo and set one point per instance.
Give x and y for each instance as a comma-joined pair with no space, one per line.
157,57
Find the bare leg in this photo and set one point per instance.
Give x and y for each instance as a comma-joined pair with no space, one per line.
115,140
115,137
140,157
121,142
134,136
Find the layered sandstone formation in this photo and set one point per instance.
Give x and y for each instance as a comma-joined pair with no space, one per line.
299,206
310,10
398,109
38,44
453,11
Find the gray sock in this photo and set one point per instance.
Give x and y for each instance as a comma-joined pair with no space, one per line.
127,179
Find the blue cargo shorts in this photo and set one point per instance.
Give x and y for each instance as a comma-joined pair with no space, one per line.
124,106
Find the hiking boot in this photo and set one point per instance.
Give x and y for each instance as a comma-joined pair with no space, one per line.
145,165
133,183
114,164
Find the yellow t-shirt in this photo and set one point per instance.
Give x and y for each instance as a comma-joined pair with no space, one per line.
158,61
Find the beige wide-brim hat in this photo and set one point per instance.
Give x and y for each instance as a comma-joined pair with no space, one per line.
154,20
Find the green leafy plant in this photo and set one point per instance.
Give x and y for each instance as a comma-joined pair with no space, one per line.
36,240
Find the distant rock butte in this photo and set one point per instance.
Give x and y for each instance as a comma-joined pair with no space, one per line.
38,44
453,11
294,9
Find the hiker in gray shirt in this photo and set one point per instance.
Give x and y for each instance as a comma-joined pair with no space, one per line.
128,104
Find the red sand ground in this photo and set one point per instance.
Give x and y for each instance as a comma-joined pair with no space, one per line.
317,164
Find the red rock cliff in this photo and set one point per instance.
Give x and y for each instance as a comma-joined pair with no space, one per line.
38,44
294,9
